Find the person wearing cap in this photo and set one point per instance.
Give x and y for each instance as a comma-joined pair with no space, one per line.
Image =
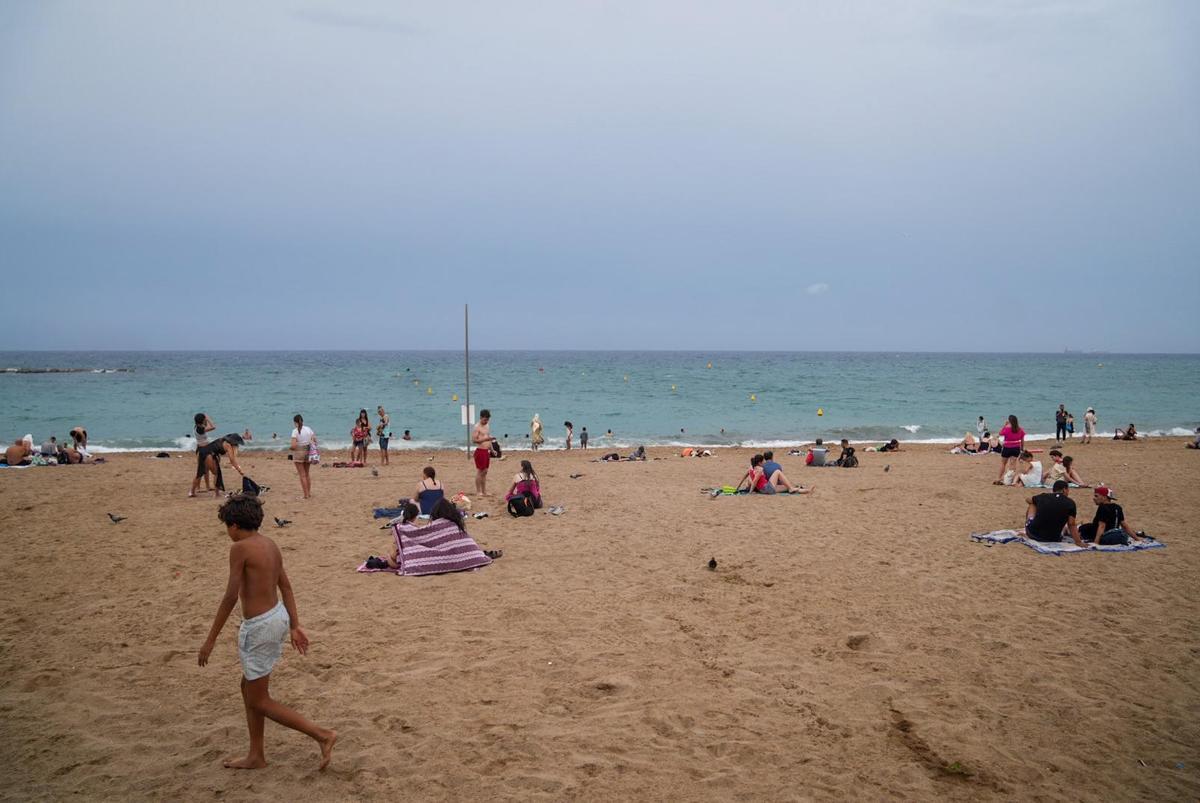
1109,526
1089,425
1049,515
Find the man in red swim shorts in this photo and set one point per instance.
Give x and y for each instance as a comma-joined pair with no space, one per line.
481,436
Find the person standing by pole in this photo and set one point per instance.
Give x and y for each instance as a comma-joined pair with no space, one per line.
481,438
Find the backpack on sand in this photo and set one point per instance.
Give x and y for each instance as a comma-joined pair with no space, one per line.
521,505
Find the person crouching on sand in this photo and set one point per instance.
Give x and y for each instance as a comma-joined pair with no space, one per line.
255,572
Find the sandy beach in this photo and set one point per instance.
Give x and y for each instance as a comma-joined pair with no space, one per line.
850,644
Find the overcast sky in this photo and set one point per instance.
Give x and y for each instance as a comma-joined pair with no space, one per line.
917,175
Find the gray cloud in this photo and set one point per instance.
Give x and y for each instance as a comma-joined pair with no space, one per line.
374,23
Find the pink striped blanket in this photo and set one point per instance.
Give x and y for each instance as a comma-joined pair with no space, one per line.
439,548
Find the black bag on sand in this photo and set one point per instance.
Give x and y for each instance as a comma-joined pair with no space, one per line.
522,505
249,487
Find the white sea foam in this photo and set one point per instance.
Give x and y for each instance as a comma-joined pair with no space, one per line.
913,428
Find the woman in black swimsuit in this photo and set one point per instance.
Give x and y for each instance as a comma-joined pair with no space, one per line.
224,445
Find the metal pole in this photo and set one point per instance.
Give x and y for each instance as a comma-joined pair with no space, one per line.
467,368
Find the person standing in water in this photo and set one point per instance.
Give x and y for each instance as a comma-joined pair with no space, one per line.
536,438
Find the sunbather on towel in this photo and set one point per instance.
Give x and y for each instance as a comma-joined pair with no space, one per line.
968,445
758,482
1048,516
774,474
20,453
1108,527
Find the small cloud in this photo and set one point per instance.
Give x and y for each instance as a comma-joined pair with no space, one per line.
373,23
817,289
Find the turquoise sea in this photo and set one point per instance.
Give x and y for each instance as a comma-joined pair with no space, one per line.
146,400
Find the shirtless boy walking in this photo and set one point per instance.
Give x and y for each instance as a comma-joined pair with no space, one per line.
255,571
481,436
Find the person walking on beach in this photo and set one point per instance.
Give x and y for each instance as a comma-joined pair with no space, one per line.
255,572
570,430
536,438
1012,438
304,440
1060,424
383,435
481,436
1089,425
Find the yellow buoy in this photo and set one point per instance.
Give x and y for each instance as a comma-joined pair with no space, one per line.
753,397
820,411
454,397
429,391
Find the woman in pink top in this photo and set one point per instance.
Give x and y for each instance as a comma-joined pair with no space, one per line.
1012,438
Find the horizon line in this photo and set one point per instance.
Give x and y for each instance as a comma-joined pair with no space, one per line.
1065,353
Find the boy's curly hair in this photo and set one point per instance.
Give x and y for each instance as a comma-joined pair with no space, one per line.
242,511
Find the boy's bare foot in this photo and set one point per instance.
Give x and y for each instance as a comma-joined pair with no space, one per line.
327,749
247,763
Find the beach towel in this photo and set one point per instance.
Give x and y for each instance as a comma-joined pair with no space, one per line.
1058,547
388,512
437,549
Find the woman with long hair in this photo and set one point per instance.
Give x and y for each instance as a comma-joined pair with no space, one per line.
204,425
525,482
303,438
360,436
1012,440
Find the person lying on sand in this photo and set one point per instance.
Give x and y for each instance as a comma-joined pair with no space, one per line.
1129,434
255,572
1048,516
1108,527
968,445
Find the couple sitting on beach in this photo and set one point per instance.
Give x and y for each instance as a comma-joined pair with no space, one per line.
765,476
444,515
1051,516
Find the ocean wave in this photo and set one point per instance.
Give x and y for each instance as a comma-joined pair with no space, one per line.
913,428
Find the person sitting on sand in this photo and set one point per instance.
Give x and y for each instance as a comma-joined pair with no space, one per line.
759,482
50,448
255,572
525,482
1072,474
20,453
1129,434
968,445
1048,516
429,490
1057,470
1108,527
1028,472
408,515
992,442
891,446
1196,443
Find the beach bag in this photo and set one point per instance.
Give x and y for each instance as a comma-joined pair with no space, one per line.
521,505
249,486
314,454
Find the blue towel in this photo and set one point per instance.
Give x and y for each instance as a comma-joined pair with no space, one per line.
1059,547
388,512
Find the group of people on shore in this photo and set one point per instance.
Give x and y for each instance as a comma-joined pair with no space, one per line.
23,451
